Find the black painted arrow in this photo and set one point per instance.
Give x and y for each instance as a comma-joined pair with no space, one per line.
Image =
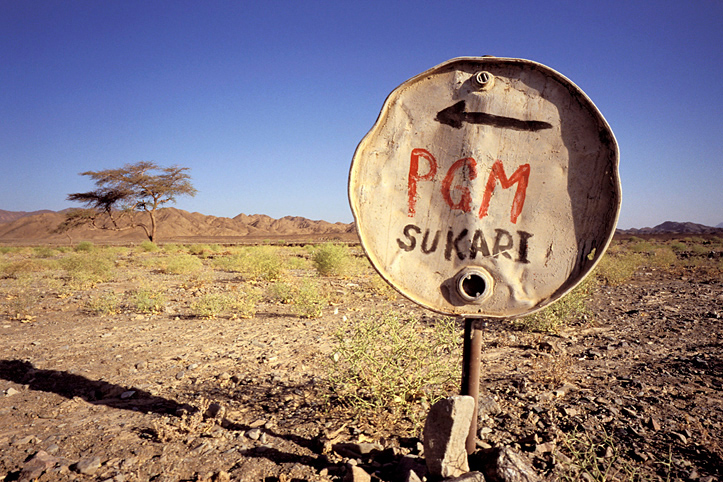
455,116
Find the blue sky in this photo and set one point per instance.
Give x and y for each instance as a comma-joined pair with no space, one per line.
267,101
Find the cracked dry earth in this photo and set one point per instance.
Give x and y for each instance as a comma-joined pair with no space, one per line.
636,389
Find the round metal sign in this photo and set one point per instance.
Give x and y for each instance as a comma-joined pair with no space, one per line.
488,187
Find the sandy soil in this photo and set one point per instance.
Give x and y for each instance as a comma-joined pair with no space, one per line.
167,397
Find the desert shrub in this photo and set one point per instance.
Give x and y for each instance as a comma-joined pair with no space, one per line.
203,250
244,303
298,260
699,249
181,264
570,307
84,246
22,267
210,305
45,252
149,246
148,300
331,259
241,304
309,300
678,246
641,246
664,257
258,263
104,304
87,269
7,249
281,292
172,248
391,360
616,269
596,457
264,262
21,301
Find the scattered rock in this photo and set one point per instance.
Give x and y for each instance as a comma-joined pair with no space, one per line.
215,411
222,476
356,474
410,468
468,477
88,465
487,405
127,394
11,391
37,465
445,435
504,465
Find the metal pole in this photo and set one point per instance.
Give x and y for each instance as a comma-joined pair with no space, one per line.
471,359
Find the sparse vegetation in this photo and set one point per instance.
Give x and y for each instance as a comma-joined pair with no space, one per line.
389,360
181,264
149,246
148,300
84,246
309,301
281,292
256,263
597,458
331,259
104,304
572,306
385,368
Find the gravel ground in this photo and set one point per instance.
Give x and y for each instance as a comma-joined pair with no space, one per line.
635,390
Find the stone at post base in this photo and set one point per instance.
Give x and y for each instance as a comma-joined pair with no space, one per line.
445,435
504,465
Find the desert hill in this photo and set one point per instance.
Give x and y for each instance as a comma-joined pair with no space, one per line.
8,216
670,227
173,225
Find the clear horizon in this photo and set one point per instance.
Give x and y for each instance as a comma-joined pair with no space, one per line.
266,103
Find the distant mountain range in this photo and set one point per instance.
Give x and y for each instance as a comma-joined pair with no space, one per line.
8,216
173,224
675,228
176,224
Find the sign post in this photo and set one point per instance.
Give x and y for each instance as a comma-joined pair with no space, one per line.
487,188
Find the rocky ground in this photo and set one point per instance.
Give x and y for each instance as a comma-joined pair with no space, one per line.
635,392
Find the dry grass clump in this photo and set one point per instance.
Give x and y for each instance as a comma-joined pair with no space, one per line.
570,307
23,267
85,269
332,259
281,292
181,264
238,304
596,457
616,269
309,299
257,263
148,300
149,246
104,304
394,361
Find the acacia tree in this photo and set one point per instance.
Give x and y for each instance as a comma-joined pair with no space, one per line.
143,186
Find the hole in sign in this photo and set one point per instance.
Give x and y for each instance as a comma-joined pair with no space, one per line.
474,284
484,80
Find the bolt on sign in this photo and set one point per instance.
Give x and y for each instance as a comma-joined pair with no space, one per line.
488,187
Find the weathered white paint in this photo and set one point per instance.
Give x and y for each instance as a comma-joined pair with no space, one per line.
527,123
